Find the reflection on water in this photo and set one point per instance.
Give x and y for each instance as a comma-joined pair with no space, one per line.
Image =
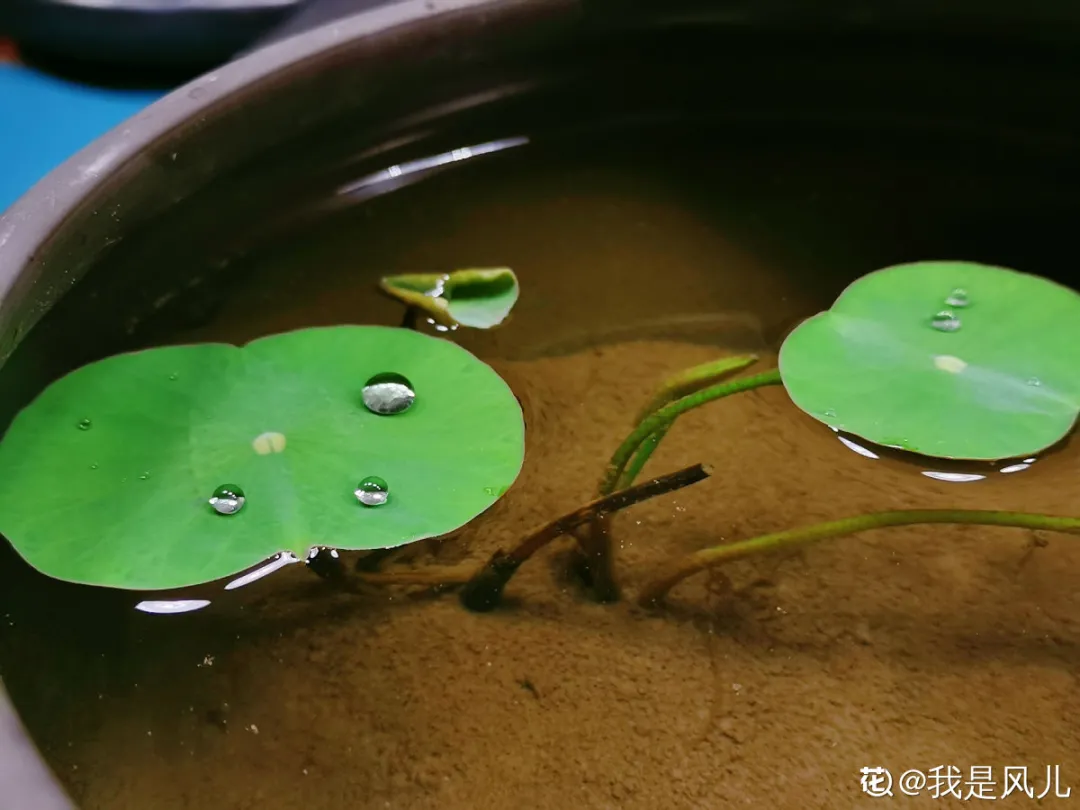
956,478
862,448
399,175
276,563
170,606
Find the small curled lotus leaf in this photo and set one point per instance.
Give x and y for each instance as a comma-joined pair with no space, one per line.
124,503
949,359
479,298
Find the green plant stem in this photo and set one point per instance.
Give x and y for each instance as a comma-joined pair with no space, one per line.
667,414
795,538
680,385
694,379
594,558
644,452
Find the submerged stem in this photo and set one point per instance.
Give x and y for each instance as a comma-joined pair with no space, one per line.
485,589
794,538
694,379
662,417
410,317
676,387
644,451
594,558
485,583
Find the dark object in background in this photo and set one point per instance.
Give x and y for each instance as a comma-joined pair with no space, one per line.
137,43
314,13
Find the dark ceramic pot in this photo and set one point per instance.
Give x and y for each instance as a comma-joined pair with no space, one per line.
154,206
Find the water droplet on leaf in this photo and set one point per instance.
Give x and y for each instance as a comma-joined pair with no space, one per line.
174,376
388,394
93,466
1034,381
84,424
945,321
957,298
830,413
227,499
372,491
144,476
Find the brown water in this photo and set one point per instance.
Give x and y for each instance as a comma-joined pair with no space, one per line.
907,648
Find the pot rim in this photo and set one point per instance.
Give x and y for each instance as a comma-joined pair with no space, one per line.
41,211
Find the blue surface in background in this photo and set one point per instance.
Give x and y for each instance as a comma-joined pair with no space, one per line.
44,120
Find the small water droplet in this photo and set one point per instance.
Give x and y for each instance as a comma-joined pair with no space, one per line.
228,499
1034,381
388,393
372,491
958,298
144,476
174,376
84,424
830,413
93,466
945,321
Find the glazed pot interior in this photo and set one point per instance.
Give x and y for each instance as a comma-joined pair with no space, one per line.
161,239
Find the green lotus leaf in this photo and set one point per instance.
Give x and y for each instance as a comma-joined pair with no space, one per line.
949,359
107,475
479,299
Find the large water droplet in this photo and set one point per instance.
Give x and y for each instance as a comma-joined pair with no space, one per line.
228,499
388,394
958,298
945,321
372,491
84,424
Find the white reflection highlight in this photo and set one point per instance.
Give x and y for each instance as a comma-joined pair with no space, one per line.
398,171
858,448
958,478
276,564
171,605
1014,468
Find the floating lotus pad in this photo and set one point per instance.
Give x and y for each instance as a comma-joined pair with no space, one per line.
479,299
108,474
949,359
